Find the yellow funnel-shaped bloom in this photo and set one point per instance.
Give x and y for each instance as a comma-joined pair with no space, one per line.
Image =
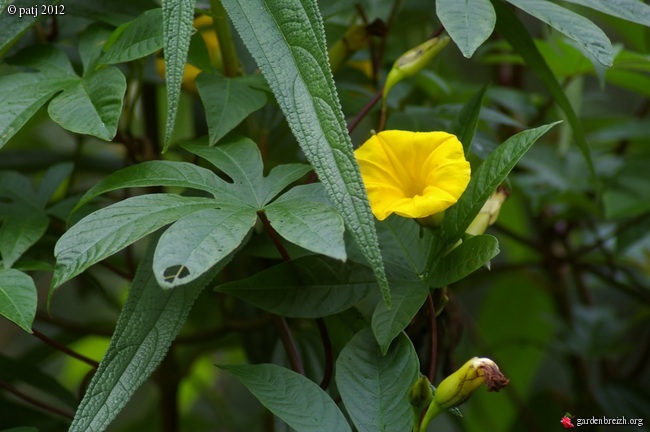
412,174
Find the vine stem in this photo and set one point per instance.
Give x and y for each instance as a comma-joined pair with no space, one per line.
434,338
365,110
47,407
65,349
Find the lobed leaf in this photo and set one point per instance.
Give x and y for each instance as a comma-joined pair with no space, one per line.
311,224
198,241
109,230
301,403
287,40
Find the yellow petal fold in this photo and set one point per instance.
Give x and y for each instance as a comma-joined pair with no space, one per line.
412,174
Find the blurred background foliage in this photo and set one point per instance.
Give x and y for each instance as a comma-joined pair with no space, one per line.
564,309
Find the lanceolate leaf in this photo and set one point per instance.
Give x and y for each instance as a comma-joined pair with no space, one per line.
18,298
286,38
631,10
148,324
464,125
111,229
469,256
308,287
20,230
177,31
518,37
200,240
373,386
486,179
575,26
469,22
136,39
300,402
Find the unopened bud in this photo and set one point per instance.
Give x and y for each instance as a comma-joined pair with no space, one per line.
459,386
489,213
420,393
413,60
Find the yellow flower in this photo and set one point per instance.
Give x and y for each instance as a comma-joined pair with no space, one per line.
412,174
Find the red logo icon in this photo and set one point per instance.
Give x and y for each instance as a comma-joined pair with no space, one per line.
566,421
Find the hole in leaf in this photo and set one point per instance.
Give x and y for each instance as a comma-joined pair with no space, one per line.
174,273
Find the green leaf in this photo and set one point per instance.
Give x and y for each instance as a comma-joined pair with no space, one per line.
21,95
464,125
575,26
630,10
198,241
107,231
311,224
241,160
227,102
287,40
408,297
21,229
373,386
485,180
163,173
177,31
18,298
114,12
148,324
91,42
509,26
292,397
135,39
12,27
52,179
469,23
307,287
469,256
93,105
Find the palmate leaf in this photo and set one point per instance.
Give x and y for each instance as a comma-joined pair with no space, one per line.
195,243
374,386
469,23
287,40
300,402
111,229
149,322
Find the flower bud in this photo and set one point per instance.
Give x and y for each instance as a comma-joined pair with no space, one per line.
489,213
355,39
420,393
459,386
413,60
